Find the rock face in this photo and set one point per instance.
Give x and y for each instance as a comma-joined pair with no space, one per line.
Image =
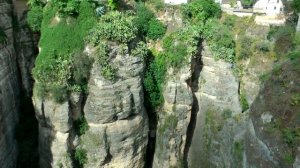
174,118
274,117
216,99
118,122
26,54
114,111
55,125
9,90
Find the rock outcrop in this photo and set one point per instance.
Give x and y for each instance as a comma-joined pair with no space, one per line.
217,100
114,110
273,138
174,118
9,89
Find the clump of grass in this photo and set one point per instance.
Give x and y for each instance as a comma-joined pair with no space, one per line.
244,102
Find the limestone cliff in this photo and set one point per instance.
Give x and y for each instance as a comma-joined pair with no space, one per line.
173,119
216,98
114,111
9,89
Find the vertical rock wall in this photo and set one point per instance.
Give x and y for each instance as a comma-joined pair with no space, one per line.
217,98
9,90
118,133
114,111
173,120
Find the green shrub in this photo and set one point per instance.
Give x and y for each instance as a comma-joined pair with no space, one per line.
67,7
81,125
238,149
32,3
175,50
247,3
2,36
220,40
81,157
112,4
245,44
59,42
289,158
244,102
144,15
107,70
156,29
263,46
200,10
58,93
153,80
141,50
291,136
115,26
230,21
35,17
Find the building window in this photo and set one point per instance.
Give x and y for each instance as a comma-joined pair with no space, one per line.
277,1
280,9
274,7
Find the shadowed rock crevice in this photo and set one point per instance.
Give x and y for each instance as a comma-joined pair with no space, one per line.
193,83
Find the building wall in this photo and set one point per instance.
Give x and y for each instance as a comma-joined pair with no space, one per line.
269,7
175,2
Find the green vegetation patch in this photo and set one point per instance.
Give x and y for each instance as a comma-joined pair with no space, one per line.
61,37
35,17
115,28
178,47
147,23
244,103
81,157
238,149
81,125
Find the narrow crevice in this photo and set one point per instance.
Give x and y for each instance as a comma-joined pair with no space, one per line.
27,135
27,130
152,117
196,66
77,119
108,156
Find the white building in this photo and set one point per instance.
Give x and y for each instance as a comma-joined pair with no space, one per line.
269,7
175,2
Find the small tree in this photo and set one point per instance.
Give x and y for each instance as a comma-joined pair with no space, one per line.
156,29
35,17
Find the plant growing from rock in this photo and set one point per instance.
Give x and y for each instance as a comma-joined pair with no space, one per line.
81,157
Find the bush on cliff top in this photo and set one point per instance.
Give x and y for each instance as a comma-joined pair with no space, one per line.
114,26
35,17
59,41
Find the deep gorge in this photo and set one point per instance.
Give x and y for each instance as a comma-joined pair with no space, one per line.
172,101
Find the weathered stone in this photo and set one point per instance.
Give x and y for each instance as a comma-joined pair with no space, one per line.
214,136
118,133
174,119
9,91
